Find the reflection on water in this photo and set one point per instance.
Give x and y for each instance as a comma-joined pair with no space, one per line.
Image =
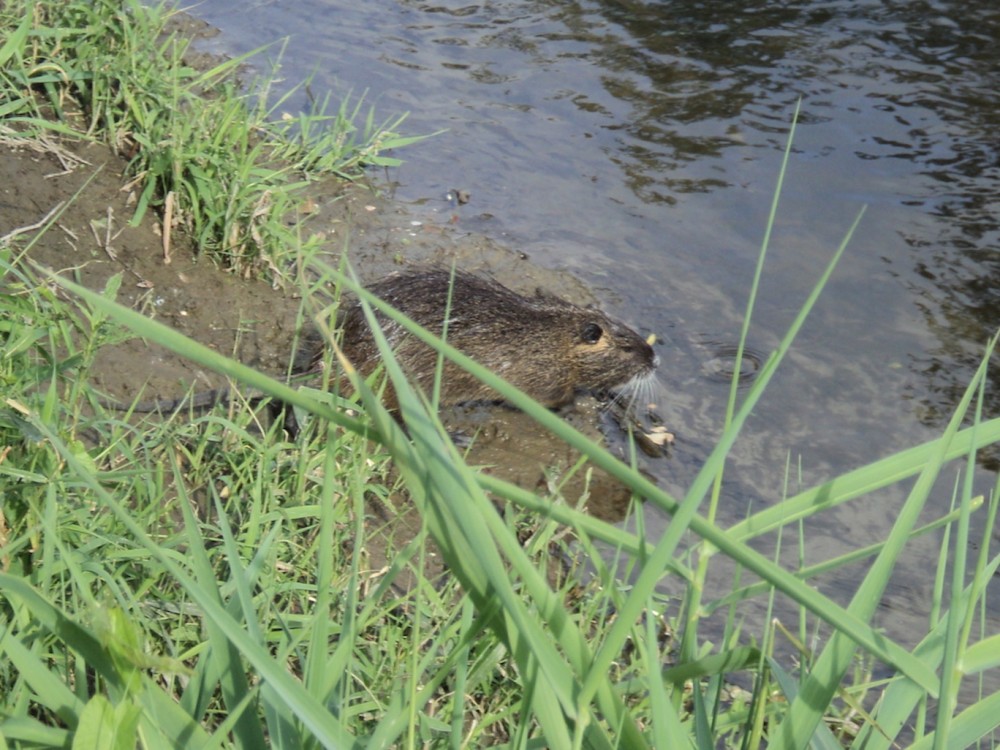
638,144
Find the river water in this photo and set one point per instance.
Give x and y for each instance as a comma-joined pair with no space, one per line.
637,145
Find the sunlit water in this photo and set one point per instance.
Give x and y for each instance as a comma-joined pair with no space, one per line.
638,145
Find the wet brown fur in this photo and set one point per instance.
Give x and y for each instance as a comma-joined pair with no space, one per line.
547,347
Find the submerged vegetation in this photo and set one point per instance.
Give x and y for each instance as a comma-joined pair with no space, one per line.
210,583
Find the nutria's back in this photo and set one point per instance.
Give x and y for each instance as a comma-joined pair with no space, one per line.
547,347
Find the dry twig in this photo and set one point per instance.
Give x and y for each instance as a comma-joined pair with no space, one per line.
5,239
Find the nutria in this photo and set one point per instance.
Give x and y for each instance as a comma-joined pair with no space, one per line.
547,347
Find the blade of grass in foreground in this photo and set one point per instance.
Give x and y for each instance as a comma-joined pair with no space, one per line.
955,633
859,482
823,680
176,726
971,726
471,536
902,696
221,666
705,552
17,39
196,352
811,571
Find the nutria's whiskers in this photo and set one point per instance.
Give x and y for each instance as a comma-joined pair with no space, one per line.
637,394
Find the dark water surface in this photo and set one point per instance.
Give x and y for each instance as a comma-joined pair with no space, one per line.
638,144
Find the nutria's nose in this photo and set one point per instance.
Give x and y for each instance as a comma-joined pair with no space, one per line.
647,350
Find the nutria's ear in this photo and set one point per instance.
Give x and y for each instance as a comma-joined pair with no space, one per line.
591,333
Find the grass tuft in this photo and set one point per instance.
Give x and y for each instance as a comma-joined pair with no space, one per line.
226,165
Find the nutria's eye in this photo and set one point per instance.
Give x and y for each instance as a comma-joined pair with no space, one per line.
592,333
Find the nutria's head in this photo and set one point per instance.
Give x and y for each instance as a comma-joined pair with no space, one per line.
609,356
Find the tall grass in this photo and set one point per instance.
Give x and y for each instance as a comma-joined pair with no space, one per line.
224,164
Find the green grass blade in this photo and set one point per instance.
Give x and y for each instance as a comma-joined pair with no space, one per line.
55,621
978,722
823,680
172,722
221,665
16,41
279,726
196,352
982,655
33,733
580,520
50,691
903,695
823,738
834,563
859,482
471,536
